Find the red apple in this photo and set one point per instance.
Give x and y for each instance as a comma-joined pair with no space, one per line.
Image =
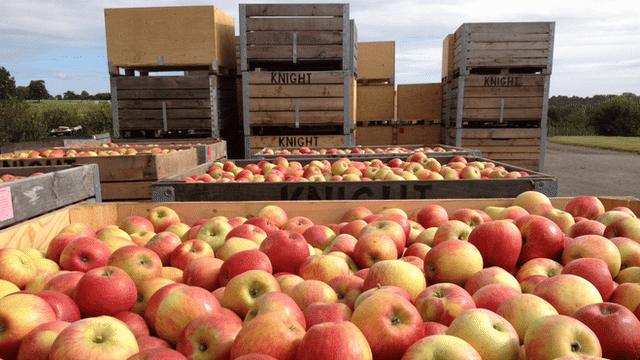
63,305
139,262
241,291
353,228
242,262
417,249
374,247
188,251
286,250
105,291
203,272
162,217
499,242
356,213
490,297
319,236
586,227
431,328
263,223
17,267
64,282
593,246
396,273
84,254
488,276
347,288
568,293
248,231
313,291
555,336
58,244
210,336
390,228
278,303
444,345
468,216
451,230
163,244
539,266
20,313
432,216
625,227
589,207
541,238
258,337
322,313
134,322
136,223
158,354
595,271
453,261
297,224
342,340
344,243
36,345
150,342
275,214
443,302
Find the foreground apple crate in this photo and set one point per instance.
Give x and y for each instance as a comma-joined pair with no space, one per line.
38,232
174,189
450,150
57,187
126,177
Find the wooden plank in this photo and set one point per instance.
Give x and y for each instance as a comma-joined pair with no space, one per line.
288,104
507,81
507,143
418,134
508,54
301,91
420,101
161,82
289,117
174,124
508,45
375,135
510,156
302,38
448,48
36,233
501,133
508,114
170,104
303,52
376,60
507,62
524,91
131,114
133,190
375,102
509,103
296,141
294,24
508,37
510,27
163,94
295,77
486,149
295,9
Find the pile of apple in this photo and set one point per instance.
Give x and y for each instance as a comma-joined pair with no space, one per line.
68,153
10,177
356,150
418,166
526,281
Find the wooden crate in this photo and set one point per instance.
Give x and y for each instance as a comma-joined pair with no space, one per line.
37,233
449,150
175,189
159,105
206,149
377,62
448,48
297,36
418,134
124,177
375,103
522,147
519,47
148,39
376,135
57,187
96,140
254,144
298,100
420,102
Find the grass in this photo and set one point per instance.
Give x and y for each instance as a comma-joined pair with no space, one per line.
622,143
74,106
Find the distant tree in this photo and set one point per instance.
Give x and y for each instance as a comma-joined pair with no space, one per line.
22,92
102,96
7,84
70,95
37,90
58,97
84,95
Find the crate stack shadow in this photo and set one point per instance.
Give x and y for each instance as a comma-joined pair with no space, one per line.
496,89
298,64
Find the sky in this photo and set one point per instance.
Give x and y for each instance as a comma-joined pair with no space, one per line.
596,49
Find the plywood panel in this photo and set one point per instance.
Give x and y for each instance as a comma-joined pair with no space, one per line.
376,60
375,102
420,102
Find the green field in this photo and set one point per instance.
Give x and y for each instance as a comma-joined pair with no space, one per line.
75,106
631,143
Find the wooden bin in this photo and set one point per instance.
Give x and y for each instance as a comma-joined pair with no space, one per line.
57,187
297,36
175,189
375,103
377,62
420,102
184,37
125,177
448,150
377,135
518,46
417,134
254,144
37,233
154,105
206,149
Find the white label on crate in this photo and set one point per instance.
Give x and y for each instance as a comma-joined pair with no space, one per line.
6,204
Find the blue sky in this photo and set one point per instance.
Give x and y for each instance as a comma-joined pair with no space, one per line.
596,45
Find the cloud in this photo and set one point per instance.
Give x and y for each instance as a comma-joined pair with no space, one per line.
595,46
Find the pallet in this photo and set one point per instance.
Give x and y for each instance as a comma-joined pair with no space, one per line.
420,102
169,38
298,100
58,187
175,189
376,62
203,104
297,36
484,48
253,144
375,103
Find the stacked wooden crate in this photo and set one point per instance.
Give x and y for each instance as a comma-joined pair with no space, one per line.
496,88
376,103
298,65
194,41
419,113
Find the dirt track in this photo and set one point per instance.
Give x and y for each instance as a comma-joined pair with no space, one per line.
582,170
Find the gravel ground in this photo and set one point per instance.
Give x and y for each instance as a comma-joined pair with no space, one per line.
582,170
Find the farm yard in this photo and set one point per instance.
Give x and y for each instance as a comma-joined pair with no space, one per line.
293,181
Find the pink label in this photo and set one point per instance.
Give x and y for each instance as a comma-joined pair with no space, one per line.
6,204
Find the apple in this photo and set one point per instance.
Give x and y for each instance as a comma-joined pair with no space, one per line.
353,228
342,340
80,229
453,261
511,212
17,267
286,250
139,262
373,247
347,288
589,207
241,292
530,199
441,346
415,230
278,303
344,243
319,236
258,336
523,309
45,266
249,232
134,223
491,296
158,354
356,213
64,282
427,236
322,313
110,232
242,262
593,270
145,290
611,216
396,273
468,216
626,227
151,342
288,281
452,230
586,227
323,268
629,251
36,345
63,305
538,266
568,293
102,337
313,291
19,314
419,250
627,295
174,306
162,217
214,232
499,242
432,216
134,322
188,251
629,275
488,276
105,291
562,218
490,334
443,302
7,287
391,228
554,336
172,273
593,246
203,272
541,238
389,322
274,213
84,254
58,243
210,336
163,244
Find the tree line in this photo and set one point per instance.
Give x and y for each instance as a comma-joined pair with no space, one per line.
37,90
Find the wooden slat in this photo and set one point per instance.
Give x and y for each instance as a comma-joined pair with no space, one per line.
129,114
473,143
295,9
163,94
509,156
288,104
175,124
303,52
510,54
133,190
170,104
418,134
510,27
524,91
161,82
36,233
512,62
500,133
294,24
482,114
491,149
296,141
302,91
302,38
295,77
507,45
507,81
510,37
494,102
289,117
